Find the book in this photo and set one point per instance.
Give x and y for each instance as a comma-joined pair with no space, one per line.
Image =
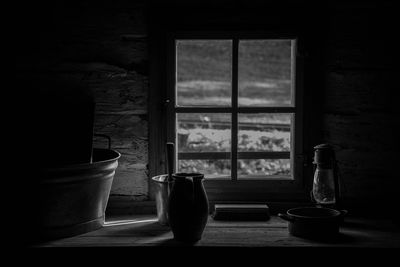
241,212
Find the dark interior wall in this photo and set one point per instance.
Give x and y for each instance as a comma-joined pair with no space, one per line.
67,49
350,84
360,114
101,48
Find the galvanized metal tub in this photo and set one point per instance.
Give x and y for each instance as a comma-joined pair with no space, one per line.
72,199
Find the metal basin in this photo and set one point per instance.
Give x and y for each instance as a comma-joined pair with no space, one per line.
161,195
72,199
314,222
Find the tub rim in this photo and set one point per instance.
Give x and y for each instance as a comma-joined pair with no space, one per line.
77,165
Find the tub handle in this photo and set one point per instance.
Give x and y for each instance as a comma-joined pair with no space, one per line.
105,136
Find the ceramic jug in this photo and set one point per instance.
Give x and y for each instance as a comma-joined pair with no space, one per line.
188,207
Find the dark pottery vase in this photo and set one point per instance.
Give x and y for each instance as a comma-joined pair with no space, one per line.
188,207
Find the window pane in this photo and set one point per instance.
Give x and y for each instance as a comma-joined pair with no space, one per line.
204,70
263,167
204,132
264,132
210,168
265,72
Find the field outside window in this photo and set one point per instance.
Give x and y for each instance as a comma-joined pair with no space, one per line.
234,107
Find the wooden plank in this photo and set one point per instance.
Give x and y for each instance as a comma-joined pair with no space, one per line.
240,155
256,237
242,125
214,109
145,231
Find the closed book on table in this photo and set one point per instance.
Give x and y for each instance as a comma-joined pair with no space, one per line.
243,212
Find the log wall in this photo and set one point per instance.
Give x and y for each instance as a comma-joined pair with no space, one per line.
104,46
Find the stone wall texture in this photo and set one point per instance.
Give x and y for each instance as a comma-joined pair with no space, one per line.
103,47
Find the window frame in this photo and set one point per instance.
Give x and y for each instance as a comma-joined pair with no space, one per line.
248,189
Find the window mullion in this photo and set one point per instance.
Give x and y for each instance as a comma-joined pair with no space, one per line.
234,129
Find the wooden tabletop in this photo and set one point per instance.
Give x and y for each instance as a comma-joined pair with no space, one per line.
144,230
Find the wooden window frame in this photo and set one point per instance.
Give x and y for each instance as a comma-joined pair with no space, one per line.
226,190
249,189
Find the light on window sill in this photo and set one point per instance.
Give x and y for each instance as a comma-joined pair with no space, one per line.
126,222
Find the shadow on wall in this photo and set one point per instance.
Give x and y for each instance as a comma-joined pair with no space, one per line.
55,127
61,117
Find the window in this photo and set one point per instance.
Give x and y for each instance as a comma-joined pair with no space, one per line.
232,102
235,113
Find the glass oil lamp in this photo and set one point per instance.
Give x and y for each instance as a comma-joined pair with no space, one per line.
325,190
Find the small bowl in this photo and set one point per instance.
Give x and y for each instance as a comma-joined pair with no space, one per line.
313,222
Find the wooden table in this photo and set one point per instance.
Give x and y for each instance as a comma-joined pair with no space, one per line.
144,230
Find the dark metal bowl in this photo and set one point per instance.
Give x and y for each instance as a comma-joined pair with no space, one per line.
313,222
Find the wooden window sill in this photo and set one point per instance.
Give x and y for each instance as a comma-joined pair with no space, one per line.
144,230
